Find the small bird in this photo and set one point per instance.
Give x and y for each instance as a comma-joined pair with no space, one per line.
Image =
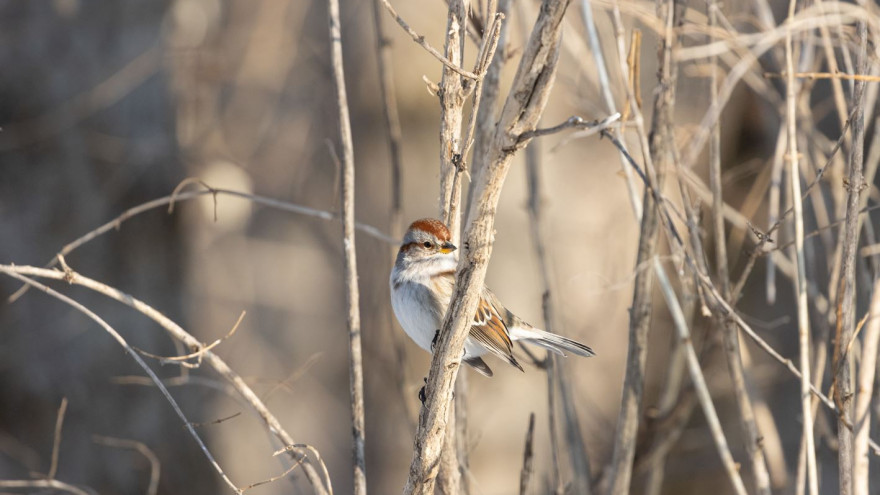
421,287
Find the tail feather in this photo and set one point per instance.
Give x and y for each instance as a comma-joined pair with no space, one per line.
551,341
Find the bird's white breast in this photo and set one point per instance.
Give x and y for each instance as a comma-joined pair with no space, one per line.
415,311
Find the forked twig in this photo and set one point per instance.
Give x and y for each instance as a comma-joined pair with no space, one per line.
244,392
11,271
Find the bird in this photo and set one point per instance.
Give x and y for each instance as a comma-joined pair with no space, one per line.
422,282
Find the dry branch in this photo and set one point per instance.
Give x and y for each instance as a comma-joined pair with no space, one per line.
220,366
352,296
608,96
854,182
698,380
53,484
791,89
16,274
424,44
557,377
522,109
867,372
56,440
390,111
751,435
640,312
452,94
176,197
528,457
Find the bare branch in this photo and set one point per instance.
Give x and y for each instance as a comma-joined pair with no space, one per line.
698,380
640,313
352,296
54,484
56,441
12,272
791,90
575,122
424,44
867,372
523,108
844,394
528,457
243,390
116,223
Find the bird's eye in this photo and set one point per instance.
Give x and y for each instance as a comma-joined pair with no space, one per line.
428,244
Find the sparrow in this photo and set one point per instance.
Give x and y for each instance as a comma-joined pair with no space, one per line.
421,283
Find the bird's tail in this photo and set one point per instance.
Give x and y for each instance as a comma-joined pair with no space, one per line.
550,341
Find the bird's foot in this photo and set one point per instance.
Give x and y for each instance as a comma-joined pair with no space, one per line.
435,340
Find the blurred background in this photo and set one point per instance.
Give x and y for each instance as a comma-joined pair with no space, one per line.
107,105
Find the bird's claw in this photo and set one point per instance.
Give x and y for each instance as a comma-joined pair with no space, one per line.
435,340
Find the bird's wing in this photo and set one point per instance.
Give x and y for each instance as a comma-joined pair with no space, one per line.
490,330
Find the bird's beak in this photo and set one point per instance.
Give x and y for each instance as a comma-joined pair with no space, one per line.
447,248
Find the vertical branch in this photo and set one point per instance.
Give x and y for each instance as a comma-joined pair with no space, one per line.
528,457
522,109
356,372
56,439
452,98
395,225
392,117
801,276
608,96
867,372
640,312
751,437
556,374
854,184
698,379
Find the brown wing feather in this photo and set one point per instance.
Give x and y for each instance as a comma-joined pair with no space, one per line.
490,331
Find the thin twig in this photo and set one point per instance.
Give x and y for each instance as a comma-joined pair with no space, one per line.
484,129
56,439
11,271
698,380
557,378
452,95
53,484
424,44
528,457
862,413
152,458
575,122
239,385
217,421
387,90
608,96
751,435
801,275
196,354
352,296
825,75
170,200
315,454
